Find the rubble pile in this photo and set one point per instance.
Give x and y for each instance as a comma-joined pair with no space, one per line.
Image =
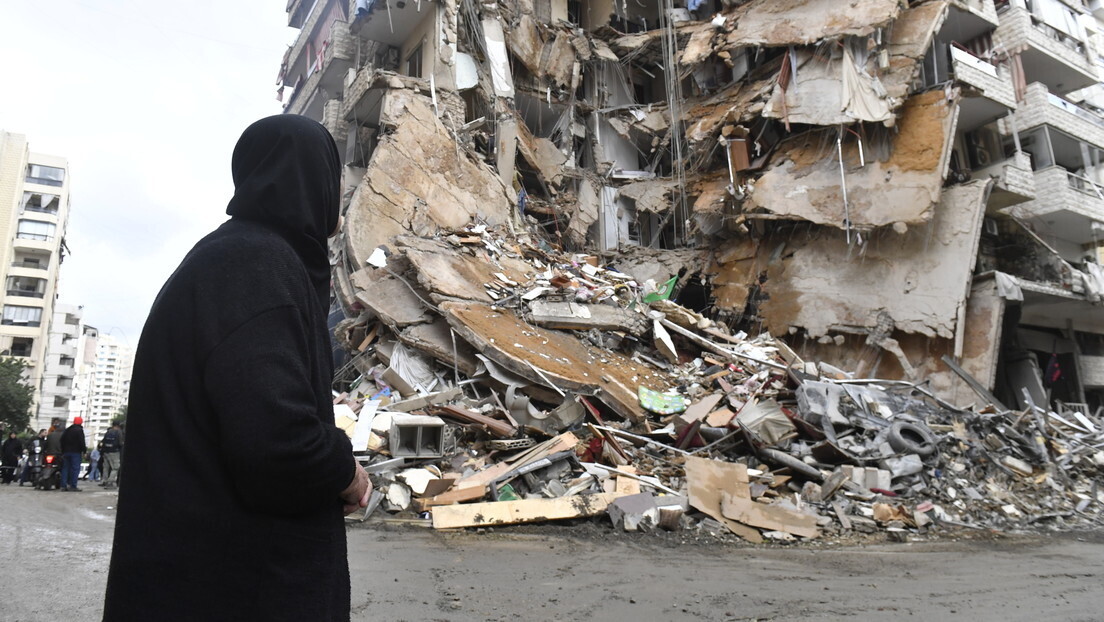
494,380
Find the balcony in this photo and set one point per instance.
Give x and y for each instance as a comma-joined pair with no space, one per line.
1041,107
34,242
1055,58
26,293
325,72
989,94
1065,205
1015,183
978,11
31,265
390,22
41,210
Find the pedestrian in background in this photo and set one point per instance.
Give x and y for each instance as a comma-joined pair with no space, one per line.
93,473
111,448
53,438
73,446
10,453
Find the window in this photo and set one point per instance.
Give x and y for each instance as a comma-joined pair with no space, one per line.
45,175
36,230
64,382
26,286
39,202
22,316
21,346
60,402
414,63
66,361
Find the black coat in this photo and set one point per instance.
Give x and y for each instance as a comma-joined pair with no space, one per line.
72,440
229,506
11,452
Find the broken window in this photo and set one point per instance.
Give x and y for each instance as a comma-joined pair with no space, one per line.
386,58
39,202
22,316
21,346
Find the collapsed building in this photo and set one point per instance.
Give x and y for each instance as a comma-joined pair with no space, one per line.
587,199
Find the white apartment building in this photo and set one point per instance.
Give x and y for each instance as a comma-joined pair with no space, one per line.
60,369
34,211
81,402
110,383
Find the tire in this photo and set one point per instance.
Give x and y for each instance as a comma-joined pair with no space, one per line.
909,438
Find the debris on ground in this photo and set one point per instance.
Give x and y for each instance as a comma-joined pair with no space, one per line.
531,385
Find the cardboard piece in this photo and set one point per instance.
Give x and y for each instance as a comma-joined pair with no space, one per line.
771,517
707,480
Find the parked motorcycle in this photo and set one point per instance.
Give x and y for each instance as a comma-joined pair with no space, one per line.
31,465
49,475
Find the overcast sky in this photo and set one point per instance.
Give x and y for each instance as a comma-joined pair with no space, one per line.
146,100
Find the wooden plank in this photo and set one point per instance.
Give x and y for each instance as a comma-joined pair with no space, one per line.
456,495
496,427
772,517
707,479
520,511
844,521
563,442
627,485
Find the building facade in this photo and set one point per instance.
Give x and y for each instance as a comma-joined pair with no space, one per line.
63,351
110,386
81,401
909,190
34,212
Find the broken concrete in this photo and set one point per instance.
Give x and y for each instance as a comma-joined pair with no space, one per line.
411,185
805,179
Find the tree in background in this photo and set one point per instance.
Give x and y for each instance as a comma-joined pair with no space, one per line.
16,395
120,417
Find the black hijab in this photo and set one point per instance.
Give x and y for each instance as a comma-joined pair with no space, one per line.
287,176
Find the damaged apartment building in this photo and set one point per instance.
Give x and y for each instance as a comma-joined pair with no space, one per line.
908,190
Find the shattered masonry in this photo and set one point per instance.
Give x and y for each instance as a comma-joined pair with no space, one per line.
647,229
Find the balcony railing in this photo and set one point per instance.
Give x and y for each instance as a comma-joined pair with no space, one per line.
44,181
1073,108
33,265
41,210
1066,39
1083,184
38,237
28,324
28,294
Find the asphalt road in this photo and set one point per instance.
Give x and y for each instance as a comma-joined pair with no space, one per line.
54,550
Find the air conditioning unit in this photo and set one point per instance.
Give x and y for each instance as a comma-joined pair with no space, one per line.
981,155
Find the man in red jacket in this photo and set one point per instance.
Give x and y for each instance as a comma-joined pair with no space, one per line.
73,446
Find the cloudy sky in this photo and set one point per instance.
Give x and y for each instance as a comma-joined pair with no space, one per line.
146,100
